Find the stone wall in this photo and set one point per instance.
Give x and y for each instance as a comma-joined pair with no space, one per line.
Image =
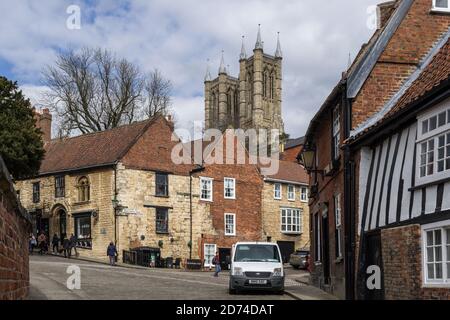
14,232
101,195
271,215
137,193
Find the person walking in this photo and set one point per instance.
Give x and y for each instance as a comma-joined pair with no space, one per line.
32,243
55,242
111,252
216,263
42,243
66,247
73,244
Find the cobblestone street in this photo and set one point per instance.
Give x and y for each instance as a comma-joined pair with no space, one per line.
49,276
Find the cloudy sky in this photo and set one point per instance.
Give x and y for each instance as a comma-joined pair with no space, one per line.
178,36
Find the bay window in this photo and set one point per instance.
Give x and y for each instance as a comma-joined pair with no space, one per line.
291,221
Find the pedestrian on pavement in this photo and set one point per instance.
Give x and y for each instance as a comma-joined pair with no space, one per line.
216,263
66,247
111,252
73,244
55,242
32,243
42,243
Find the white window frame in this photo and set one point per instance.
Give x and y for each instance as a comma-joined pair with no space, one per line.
436,283
233,196
435,8
233,233
336,132
208,262
338,224
211,180
293,192
295,221
303,195
275,191
433,135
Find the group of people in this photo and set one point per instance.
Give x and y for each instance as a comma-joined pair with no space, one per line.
63,245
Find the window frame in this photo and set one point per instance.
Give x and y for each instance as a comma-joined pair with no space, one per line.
60,188
209,263
84,190
166,175
284,226
36,193
443,226
428,136
233,197
293,192
211,180
336,132
88,240
303,195
440,9
275,191
157,221
233,233
317,237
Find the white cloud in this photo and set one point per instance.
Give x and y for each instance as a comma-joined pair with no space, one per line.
178,37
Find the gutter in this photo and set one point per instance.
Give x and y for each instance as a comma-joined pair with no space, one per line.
306,184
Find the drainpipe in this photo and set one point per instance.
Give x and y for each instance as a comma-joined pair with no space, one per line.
115,209
349,201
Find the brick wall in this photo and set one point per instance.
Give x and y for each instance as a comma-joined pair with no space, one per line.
413,39
14,228
402,263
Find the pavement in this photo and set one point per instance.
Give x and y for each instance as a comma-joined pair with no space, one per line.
52,276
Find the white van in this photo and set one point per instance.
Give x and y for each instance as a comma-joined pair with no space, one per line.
256,266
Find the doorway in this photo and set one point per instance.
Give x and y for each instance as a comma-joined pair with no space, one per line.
287,248
374,257
225,258
62,224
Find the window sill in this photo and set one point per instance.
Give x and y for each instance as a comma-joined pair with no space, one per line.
205,200
429,184
230,235
79,203
162,233
229,198
292,233
436,285
318,263
440,11
165,197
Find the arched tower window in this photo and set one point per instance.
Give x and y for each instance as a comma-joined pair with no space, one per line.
236,109
229,104
272,86
265,82
83,189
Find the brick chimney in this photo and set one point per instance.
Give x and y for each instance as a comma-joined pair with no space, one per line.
385,11
44,122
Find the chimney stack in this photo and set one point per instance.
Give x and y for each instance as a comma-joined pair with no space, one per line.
44,122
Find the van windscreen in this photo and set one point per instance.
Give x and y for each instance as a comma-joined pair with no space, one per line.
256,253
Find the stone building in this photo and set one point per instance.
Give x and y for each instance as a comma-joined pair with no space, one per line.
379,76
253,99
15,228
285,211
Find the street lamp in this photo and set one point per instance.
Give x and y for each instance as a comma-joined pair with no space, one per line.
308,156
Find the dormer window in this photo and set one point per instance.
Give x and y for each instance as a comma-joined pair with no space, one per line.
441,5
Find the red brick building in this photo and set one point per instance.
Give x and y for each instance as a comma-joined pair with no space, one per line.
407,32
15,227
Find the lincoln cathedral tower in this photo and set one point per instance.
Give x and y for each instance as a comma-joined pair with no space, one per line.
253,99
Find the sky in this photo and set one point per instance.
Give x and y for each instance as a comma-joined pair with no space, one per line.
179,36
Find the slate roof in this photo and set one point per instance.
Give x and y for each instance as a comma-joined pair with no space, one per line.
290,171
91,150
292,143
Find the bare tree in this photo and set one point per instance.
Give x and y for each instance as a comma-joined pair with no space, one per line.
93,90
158,92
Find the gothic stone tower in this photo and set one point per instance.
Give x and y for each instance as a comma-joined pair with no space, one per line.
251,101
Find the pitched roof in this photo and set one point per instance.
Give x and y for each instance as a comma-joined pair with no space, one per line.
290,171
292,143
432,76
91,150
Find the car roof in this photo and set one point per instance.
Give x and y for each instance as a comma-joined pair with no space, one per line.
261,243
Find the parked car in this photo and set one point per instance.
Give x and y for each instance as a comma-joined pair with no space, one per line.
299,259
256,266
